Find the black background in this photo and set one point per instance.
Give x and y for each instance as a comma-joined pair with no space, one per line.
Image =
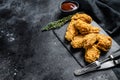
26,53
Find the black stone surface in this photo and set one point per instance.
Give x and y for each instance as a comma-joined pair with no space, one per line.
26,53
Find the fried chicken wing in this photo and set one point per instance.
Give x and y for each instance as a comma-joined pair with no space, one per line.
104,42
92,54
83,27
71,31
82,16
77,41
89,40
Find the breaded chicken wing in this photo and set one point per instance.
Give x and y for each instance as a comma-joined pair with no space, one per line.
83,27
77,41
89,40
71,31
104,42
82,16
92,54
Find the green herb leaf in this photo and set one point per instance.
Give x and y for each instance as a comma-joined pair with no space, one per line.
56,24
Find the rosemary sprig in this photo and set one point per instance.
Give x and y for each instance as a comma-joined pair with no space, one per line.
56,24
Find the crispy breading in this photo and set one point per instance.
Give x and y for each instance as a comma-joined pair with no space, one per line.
83,27
89,40
92,54
104,42
71,31
82,16
77,41
94,29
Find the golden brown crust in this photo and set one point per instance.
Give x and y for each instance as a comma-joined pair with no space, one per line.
94,29
92,54
83,27
82,16
71,31
77,41
89,40
104,42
